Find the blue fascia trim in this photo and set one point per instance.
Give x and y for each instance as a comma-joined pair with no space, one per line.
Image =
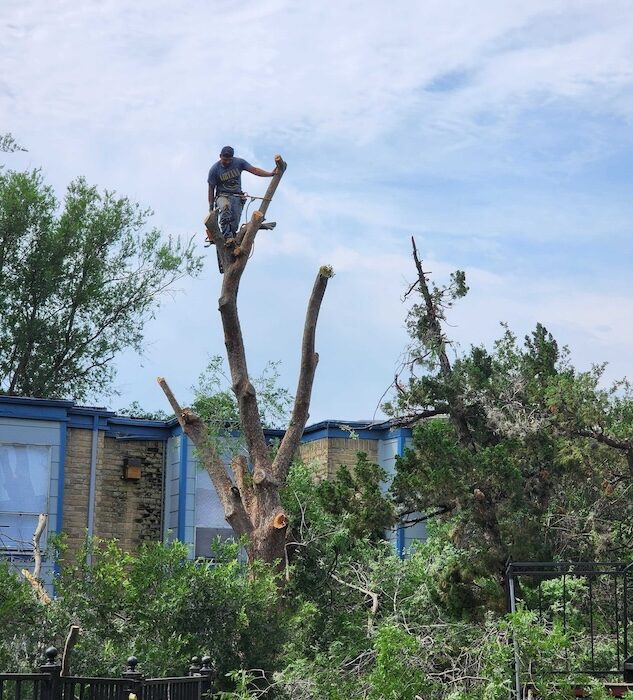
138,429
182,488
33,401
33,412
366,430
87,420
330,423
334,431
60,477
135,428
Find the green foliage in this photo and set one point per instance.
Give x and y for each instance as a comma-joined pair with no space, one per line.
356,497
530,458
357,622
77,284
8,144
19,614
215,402
158,605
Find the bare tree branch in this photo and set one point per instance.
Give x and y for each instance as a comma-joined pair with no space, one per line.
309,361
456,411
193,426
34,578
37,551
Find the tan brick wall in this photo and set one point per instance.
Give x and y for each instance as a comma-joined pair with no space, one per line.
77,484
127,510
130,510
329,453
315,453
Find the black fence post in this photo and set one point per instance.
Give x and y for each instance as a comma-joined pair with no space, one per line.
134,685
208,675
51,687
194,669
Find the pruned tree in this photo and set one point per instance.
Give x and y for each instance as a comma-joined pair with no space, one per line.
249,491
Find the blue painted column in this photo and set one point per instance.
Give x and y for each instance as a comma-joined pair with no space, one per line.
60,476
182,487
400,541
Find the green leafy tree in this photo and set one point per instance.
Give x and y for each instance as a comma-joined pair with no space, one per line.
135,410
215,402
522,455
77,284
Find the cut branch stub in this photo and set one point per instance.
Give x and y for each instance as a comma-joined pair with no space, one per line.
280,521
281,167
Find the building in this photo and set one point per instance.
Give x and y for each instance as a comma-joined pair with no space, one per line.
98,473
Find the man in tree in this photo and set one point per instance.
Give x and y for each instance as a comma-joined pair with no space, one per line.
225,189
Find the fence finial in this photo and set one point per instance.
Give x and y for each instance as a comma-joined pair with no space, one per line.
51,656
194,669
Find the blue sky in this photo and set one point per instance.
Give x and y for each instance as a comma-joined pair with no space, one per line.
497,133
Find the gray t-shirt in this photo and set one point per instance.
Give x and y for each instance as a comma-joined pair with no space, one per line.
227,178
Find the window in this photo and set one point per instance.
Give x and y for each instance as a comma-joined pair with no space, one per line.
24,484
209,520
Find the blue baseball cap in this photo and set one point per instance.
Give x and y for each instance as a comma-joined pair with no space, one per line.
227,152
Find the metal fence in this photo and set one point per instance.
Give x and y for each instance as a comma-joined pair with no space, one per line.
49,684
590,602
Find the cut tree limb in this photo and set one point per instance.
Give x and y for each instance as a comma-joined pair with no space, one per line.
37,551
193,426
34,578
309,361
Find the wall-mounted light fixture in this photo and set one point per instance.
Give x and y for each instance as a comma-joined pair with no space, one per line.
132,468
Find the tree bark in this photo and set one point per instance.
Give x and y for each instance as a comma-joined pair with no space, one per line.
251,500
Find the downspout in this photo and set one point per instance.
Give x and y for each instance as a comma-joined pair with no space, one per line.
63,428
93,477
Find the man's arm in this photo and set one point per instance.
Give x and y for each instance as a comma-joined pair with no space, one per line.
211,196
259,172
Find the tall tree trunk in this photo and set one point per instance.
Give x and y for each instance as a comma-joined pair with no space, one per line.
250,498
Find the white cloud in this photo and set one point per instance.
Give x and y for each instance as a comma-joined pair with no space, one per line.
477,131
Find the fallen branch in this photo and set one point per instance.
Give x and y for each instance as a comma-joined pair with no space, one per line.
37,552
34,578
